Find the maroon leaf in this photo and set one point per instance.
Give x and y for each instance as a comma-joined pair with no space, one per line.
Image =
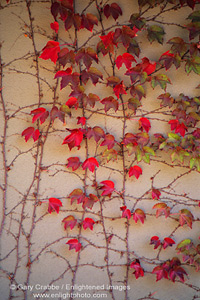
96,132
136,171
77,195
50,51
93,74
114,10
126,213
162,208
74,244
88,223
185,217
108,187
88,21
69,221
177,271
109,103
155,241
54,204
65,56
87,55
74,163
108,141
31,132
90,163
155,194
68,77
56,113
91,99
89,201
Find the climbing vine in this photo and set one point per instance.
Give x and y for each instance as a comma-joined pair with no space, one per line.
102,120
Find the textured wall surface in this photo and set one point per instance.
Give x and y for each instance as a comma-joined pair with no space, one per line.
34,254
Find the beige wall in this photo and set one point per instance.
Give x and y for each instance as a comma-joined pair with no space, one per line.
29,231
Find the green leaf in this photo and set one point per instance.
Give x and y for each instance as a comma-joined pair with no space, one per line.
136,21
155,33
160,79
149,150
193,65
195,16
173,137
195,162
134,47
183,244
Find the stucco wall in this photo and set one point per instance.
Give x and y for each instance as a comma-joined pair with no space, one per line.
33,242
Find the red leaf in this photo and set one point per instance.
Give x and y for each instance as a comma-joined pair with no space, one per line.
185,217
107,39
139,215
144,124
88,223
181,128
96,132
162,208
50,51
39,113
89,201
74,163
139,272
160,273
110,102
74,244
81,120
89,21
168,242
31,132
90,163
55,26
113,10
155,194
125,58
136,171
126,213
147,66
119,89
108,187
74,139
173,124
77,195
54,204
155,241
69,221
108,141
72,101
